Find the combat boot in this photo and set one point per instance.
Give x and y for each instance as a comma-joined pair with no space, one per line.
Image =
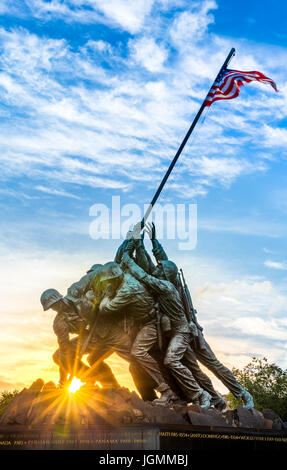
204,399
168,396
218,403
247,399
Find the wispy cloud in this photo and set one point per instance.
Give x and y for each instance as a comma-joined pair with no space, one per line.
267,250
126,14
147,53
191,26
281,265
122,118
56,192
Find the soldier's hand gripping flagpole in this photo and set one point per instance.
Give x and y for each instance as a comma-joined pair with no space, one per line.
149,209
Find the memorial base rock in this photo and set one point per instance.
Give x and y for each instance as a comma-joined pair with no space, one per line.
44,417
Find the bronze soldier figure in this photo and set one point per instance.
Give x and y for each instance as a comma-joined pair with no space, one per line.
124,294
66,322
200,349
143,259
171,305
80,288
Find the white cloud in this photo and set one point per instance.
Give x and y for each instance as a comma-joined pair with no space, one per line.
275,136
242,317
208,172
257,326
223,170
123,117
148,54
128,14
282,266
38,54
191,26
99,46
56,192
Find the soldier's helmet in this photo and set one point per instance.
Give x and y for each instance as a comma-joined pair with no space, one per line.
50,297
170,270
95,267
110,270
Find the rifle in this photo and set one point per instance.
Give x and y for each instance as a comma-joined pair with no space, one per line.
189,309
158,327
88,338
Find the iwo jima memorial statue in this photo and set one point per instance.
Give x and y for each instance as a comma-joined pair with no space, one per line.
142,310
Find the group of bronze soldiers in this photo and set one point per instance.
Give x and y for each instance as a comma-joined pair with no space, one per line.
140,311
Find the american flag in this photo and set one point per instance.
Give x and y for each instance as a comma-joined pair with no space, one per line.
227,84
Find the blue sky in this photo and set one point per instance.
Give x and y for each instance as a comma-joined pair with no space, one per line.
95,98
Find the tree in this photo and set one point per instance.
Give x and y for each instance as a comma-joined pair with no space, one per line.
5,399
266,382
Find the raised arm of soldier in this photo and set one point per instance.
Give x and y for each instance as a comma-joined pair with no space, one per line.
127,245
134,241
158,251
157,285
142,258
160,282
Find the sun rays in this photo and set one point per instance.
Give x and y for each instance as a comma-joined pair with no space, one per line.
75,385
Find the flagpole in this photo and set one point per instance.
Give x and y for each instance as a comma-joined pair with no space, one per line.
155,198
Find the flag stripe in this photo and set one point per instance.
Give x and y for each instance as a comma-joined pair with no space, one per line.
227,86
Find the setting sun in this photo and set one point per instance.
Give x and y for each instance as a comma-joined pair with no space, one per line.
75,385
